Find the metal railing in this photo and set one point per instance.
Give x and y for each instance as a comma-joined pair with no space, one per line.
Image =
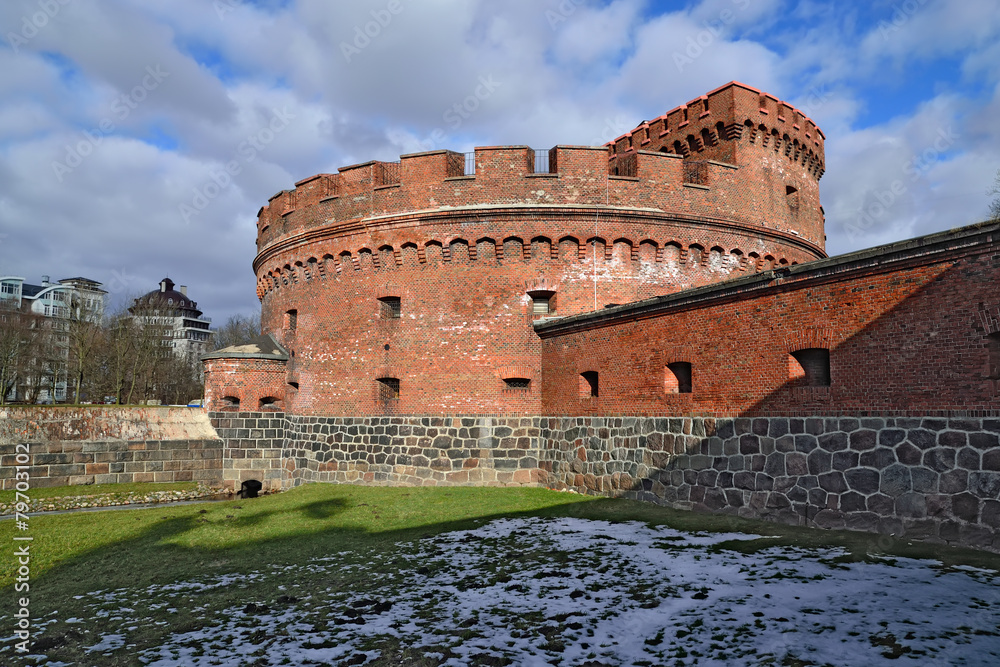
625,165
696,172
461,164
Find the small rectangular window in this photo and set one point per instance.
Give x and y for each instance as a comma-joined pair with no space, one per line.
391,308
811,365
388,389
792,196
677,378
541,302
291,320
588,384
520,384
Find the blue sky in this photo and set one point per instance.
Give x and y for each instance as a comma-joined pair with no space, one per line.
115,115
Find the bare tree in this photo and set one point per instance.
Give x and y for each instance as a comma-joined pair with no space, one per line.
83,333
995,192
238,330
21,338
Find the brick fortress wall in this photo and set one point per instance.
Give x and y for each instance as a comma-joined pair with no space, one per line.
464,254
908,329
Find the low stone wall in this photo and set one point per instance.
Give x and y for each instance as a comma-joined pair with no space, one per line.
490,451
253,447
110,445
936,480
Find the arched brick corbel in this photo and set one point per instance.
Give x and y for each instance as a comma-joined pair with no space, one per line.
809,337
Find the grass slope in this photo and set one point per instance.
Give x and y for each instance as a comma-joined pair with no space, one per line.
76,554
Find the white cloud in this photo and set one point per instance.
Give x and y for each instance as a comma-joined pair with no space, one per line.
585,78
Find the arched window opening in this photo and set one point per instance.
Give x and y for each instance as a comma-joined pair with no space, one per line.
993,346
388,389
390,307
812,365
677,378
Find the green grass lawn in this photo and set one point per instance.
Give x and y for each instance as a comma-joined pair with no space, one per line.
74,554
118,490
170,542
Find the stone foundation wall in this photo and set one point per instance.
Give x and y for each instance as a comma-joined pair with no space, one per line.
492,451
936,480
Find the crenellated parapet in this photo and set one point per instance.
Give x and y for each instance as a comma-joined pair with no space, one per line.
722,125
373,197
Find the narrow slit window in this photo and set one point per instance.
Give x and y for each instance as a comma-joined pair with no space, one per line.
792,196
388,389
391,307
589,386
811,365
677,378
993,343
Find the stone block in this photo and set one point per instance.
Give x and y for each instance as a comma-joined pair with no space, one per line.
862,480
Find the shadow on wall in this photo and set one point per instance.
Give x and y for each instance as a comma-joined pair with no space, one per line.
905,462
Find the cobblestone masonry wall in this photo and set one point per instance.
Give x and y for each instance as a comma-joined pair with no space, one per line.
924,478
936,480
933,479
418,451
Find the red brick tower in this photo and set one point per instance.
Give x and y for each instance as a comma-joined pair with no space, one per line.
410,287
